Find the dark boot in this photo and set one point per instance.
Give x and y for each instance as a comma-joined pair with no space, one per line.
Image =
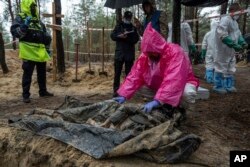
46,94
26,100
41,79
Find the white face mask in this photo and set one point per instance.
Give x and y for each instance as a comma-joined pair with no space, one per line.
126,21
236,17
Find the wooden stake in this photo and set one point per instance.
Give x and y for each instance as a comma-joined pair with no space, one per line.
54,41
54,29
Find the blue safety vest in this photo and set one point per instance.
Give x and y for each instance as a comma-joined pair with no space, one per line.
154,20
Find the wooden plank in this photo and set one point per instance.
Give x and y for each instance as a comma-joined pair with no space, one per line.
51,15
57,27
60,15
47,15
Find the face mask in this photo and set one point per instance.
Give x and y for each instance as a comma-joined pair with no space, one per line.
126,21
236,17
33,10
154,57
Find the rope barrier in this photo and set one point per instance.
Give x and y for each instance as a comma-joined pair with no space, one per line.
10,43
96,54
85,29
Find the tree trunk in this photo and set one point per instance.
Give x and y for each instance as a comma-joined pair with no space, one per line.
17,6
223,9
244,28
12,20
59,40
118,15
196,26
176,27
190,15
2,55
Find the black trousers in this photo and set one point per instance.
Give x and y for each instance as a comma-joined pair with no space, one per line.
28,68
118,70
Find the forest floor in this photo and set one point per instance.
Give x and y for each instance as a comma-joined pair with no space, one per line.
222,121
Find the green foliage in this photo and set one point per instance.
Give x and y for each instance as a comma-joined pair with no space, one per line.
75,26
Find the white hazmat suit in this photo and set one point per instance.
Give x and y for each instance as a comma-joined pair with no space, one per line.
208,51
187,41
228,38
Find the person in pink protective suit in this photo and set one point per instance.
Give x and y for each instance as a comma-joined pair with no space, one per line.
162,67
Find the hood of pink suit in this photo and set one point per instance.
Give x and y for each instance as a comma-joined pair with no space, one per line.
152,41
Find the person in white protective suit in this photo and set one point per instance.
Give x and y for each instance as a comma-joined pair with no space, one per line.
187,41
228,40
208,51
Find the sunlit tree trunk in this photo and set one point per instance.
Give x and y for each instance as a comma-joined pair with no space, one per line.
2,56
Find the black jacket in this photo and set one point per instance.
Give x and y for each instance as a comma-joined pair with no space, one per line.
35,33
125,48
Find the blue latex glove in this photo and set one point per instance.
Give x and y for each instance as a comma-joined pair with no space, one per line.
27,20
119,99
149,106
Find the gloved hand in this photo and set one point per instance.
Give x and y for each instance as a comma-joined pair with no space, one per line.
192,48
203,53
49,52
230,43
237,48
149,106
120,99
27,20
244,45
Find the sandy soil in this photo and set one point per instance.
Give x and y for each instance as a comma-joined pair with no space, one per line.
90,84
222,122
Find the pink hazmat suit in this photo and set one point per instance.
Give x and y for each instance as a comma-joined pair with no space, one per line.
167,76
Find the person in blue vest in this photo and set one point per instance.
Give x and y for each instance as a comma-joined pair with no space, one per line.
34,43
156,17
125,35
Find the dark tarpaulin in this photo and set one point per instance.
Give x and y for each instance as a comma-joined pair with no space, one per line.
108,129
115,4
202,3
